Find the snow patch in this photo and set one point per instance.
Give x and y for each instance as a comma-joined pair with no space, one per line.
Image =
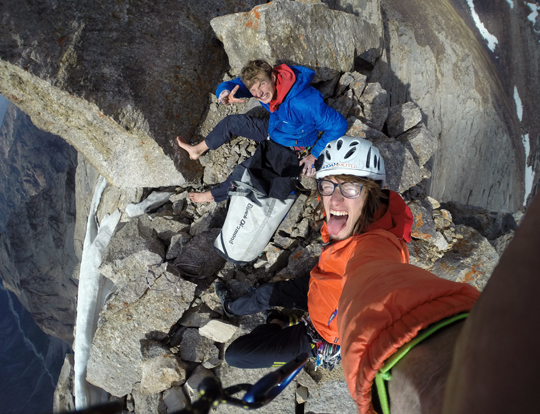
511,3
93,289
519,106
154,200
529,173
534,9
492,40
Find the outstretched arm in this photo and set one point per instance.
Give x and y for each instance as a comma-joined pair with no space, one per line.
496,364
229,92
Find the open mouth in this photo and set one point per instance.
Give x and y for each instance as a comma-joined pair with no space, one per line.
336,222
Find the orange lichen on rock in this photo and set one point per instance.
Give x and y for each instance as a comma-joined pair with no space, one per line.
253,18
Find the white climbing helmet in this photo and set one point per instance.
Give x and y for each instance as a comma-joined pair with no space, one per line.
352,156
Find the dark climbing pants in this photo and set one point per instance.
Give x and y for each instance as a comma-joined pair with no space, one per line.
242,125
269,345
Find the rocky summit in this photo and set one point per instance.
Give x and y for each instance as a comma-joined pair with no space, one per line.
452,110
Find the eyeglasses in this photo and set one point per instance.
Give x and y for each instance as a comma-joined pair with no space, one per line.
348,190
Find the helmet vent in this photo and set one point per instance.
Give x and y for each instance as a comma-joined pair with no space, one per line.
368,158
350,153
375,164
353,143
328,155
339,144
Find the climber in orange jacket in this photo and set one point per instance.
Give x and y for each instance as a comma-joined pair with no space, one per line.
362,295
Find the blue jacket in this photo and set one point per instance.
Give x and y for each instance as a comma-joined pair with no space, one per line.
301,116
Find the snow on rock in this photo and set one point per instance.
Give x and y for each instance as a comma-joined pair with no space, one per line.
92,289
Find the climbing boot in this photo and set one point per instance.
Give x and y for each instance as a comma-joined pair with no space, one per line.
288,320
224,297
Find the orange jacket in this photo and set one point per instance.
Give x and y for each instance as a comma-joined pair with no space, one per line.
383,301
325,284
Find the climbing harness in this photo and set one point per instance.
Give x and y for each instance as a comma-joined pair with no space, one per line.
384,373
328,355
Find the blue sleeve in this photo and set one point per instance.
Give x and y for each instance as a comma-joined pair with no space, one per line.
330,121
243,91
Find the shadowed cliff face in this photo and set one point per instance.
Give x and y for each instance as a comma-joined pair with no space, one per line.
143,69
37,218
436,57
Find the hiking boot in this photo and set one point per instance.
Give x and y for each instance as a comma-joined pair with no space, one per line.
224,297
288,320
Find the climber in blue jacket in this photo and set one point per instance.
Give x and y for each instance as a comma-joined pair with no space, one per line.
297,115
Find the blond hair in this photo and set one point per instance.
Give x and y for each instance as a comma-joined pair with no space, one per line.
255,71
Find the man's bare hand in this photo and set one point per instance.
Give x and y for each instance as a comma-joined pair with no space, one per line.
308,164
227,97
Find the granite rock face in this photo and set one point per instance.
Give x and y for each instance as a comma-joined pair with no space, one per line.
297,32
115,359
162,262
118,81
37,220
436,57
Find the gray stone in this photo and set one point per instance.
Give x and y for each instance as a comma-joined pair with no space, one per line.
175,399
194,347
191,385
144,404
358,129
344,82
331,397
402,172
63,399
423,254
302,395
501,243
358,84
199,258
442,218
131,258
197,316
343,104
490,224
375,102
293,216
421,143
212,360
401,118
301,261
424,226
201,224
276,257
165,226
298,33
218,331
471,260
327,88
160,368
176,246
115,357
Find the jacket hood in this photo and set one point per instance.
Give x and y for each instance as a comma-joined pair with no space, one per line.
394,217
304,76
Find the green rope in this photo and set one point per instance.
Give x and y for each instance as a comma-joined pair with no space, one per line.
384,373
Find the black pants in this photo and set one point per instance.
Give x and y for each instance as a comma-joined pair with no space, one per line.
245,126
269,345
